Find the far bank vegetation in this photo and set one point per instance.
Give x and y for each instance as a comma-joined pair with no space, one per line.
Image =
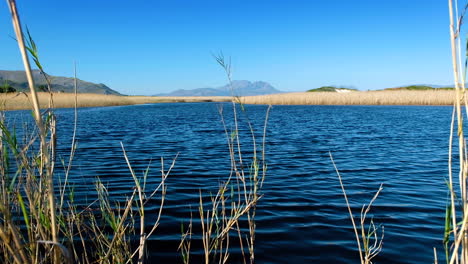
387,97
20,101
17,101
331,89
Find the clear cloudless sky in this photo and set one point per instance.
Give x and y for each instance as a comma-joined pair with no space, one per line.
150,47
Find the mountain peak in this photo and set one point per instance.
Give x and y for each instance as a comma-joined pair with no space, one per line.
238,87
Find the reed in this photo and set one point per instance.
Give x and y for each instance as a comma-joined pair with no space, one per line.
368,239
21,101
398,97
456,224
233,208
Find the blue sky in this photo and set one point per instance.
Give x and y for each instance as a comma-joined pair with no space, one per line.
149,47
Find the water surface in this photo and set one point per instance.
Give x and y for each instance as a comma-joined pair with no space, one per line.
302,217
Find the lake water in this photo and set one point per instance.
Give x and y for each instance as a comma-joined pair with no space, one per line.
302,217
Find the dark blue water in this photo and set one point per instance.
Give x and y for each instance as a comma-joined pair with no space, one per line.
302,217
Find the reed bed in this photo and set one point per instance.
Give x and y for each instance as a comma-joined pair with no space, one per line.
20,101
436,97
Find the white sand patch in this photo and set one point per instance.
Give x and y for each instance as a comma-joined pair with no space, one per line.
342,90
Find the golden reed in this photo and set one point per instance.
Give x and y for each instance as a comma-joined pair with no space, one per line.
399,97
13,101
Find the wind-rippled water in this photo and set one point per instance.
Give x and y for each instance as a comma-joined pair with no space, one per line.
302,217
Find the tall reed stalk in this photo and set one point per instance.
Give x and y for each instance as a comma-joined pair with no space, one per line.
232,209
46,167
368,239
457,210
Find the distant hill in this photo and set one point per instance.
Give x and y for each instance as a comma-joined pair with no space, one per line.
421,87
240,88
17,80
332,89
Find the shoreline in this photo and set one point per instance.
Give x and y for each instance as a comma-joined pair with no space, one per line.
20,101
398,97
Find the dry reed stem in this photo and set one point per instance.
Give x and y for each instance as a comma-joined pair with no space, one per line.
18,256
459,91
186,242
374,250
237,168
38,118
19,36
142,200
451,190
218,222
163,187
356,234
141,247
461,241
64,250
206,232
264,164
121,223
73,143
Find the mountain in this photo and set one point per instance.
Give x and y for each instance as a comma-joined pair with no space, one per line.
240,88
17,80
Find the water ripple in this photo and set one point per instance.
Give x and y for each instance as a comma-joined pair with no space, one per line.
302,217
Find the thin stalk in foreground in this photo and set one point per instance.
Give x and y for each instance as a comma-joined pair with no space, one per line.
459,249
73,142
27,66
356,234
38,118
366,252
453,215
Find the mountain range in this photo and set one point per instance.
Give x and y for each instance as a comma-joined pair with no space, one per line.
17,80
239,88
